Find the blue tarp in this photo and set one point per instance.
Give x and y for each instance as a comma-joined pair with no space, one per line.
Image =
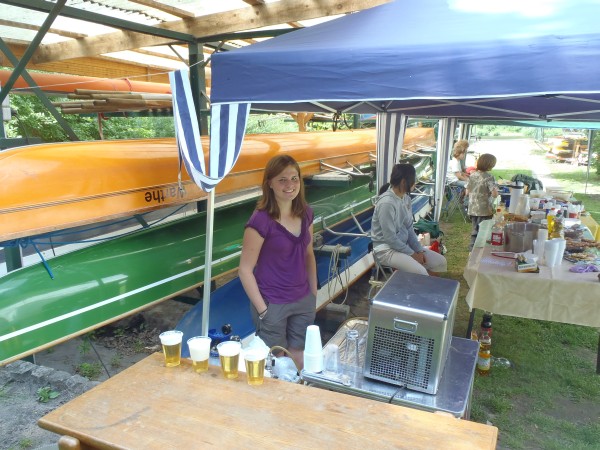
428,58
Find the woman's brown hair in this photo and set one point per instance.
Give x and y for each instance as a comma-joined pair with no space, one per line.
460,147
267,202
486,162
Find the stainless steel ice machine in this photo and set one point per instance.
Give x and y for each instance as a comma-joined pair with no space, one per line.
410,330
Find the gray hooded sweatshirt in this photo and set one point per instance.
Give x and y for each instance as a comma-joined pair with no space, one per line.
392,224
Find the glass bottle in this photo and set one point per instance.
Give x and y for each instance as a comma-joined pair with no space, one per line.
486,324
557,227
498,228
484,358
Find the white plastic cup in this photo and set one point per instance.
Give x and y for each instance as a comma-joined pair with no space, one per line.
331,359
562,245
199,352
171,345
313,340
255,360
229,356
551,253
313,350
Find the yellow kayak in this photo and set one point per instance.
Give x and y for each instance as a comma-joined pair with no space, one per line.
48,187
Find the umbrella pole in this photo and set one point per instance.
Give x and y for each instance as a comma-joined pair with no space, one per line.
589,157
210,219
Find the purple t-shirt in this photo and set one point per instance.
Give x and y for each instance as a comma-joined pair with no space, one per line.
281,267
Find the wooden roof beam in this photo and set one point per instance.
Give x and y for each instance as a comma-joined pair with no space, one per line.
230,21
26,26
174,11
262,2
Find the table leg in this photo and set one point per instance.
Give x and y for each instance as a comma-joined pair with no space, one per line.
470,326
71,443
598,356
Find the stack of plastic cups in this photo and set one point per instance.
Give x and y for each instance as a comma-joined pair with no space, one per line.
551,249
313,350
542,237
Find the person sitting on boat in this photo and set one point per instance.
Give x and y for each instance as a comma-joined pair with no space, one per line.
277,266
395,242
456,174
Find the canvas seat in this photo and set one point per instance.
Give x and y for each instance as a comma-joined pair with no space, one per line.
454,200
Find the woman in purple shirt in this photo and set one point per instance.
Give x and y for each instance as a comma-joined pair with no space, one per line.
277,266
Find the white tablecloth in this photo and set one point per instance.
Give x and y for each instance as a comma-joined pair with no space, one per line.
552,294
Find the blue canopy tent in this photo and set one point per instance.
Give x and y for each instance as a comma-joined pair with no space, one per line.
453,60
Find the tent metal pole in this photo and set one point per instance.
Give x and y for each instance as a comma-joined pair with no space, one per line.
445,141
210,219
589,158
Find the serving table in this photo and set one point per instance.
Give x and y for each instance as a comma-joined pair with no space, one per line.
454,391
149,406
553,294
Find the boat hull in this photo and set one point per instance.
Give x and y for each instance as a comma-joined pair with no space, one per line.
105,282
48,187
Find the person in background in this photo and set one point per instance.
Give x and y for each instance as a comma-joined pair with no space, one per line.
277,265
482,190
395,242
456,174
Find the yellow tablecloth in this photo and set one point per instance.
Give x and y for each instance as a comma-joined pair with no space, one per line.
593,226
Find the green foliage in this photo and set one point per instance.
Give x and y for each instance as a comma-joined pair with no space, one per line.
138,346
45,394
26,443
85,347
115,361
138,127
270,123
34,120
504,131
89,370
595,151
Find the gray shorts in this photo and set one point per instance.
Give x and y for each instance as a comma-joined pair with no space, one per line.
285,324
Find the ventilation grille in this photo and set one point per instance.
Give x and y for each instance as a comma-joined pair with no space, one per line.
401,358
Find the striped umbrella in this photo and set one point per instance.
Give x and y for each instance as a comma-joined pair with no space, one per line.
228,123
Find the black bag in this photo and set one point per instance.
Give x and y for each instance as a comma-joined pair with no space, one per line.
428,226
531,182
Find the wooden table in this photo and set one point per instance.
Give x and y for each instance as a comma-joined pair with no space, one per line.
149,406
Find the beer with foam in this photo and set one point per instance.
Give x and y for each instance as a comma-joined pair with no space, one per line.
229,356
255,366
171,345
199,352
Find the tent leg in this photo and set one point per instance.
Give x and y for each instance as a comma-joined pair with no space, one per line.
210,219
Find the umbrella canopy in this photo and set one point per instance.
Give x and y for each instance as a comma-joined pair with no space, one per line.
438,58
460,59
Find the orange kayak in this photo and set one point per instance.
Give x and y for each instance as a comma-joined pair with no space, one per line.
48,187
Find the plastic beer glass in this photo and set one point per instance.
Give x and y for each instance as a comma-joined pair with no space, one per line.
255,366
171,345
229,356
199,352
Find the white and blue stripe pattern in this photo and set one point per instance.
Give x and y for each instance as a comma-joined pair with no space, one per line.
228,123
390,138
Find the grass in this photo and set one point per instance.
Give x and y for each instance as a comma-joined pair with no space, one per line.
550,397
89,370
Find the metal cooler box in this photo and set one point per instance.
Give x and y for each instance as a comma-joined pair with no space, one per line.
410,329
